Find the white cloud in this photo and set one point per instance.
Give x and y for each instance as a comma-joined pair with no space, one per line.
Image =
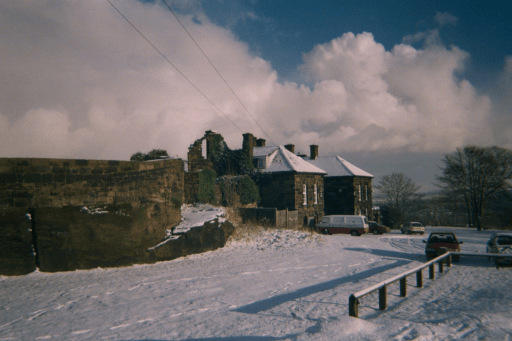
82,83
446,18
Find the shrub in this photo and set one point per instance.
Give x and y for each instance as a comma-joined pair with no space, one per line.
152,155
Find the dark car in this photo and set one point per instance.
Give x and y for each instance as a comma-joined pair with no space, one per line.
377,228
441,242
500,243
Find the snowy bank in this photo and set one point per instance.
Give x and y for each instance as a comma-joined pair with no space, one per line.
280,285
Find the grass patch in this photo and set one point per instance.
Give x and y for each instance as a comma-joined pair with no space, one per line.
248,232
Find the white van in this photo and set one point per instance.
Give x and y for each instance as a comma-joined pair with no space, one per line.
355,225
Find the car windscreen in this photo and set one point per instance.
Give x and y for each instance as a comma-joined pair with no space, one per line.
504,240
441,238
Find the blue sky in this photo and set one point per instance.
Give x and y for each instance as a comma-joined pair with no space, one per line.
390,86
280,31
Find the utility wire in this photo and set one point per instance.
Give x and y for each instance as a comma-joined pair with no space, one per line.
213,66
174,66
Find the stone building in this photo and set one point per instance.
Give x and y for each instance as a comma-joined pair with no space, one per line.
286,181
348,189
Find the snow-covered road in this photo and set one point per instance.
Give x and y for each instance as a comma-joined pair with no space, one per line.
280,285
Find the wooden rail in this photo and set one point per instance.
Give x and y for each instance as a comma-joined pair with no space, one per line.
353,300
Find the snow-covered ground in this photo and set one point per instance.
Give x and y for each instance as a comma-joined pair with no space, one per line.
279,285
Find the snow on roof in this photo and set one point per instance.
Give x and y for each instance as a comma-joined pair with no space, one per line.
264,151
337,166
282,160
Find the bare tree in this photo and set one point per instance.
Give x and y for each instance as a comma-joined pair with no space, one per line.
399,191
476,174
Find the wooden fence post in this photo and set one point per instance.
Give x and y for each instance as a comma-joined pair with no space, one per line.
382,298
419,278
449,261
403,287
431,273
441,267
353,306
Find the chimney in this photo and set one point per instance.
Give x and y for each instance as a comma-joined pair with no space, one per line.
260,142
290,147
248,145
313,151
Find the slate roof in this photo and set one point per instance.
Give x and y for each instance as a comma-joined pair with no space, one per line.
337,166
281,159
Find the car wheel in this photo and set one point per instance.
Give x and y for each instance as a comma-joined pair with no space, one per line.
354,233
375,232
325,231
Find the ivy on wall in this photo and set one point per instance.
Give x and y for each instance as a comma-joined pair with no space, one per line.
227,161
240,189
206,190
249,192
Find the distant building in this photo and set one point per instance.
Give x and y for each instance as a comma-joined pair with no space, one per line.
348,189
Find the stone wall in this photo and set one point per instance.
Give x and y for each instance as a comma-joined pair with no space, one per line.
342,195
285,191
76,214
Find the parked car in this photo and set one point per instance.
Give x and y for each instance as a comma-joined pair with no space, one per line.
500,243
355,225
412,227
441,242
377,228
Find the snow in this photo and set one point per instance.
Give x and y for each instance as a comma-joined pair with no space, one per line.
282,160
196,215
275,285
336,166
192,216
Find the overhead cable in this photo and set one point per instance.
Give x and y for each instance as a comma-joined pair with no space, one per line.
174,66
213,66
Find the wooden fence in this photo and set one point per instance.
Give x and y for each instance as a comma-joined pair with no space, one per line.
270,217
353,300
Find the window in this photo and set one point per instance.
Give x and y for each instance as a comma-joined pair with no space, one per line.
338,220
261,164
315,189
305,194
359,192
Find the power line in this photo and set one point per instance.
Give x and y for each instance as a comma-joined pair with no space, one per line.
174,66
213,66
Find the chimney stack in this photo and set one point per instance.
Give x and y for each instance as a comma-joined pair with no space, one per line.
290,147
313,151
247,145
260,142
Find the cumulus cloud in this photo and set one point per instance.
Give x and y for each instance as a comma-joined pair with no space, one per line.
81,82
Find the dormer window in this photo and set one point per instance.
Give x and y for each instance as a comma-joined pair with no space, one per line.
261,163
